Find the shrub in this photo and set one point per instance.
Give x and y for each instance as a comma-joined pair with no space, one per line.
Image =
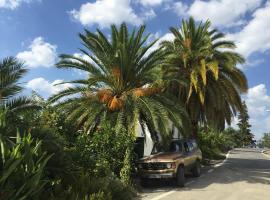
60,170
103,152
214,143
86,187
22,169
98,196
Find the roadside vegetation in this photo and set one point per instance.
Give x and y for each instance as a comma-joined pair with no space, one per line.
79,144
215,143
265,141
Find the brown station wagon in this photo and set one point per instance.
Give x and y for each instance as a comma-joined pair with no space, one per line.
182,156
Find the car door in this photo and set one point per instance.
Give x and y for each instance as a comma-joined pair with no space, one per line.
188,154
193,156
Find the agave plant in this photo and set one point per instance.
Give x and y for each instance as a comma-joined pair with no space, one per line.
201,69
22,169
122,83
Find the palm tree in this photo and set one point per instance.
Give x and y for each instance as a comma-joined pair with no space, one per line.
123,84
11,105
201,70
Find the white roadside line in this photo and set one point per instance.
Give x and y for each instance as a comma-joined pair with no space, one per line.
170,192
192,181
164,195
224,161
266,155
189,183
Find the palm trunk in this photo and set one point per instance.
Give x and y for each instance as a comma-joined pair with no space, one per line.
194,130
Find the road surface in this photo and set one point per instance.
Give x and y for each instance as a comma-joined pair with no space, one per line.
245,175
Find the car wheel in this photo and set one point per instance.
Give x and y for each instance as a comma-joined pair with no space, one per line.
196,171
180,176
145,182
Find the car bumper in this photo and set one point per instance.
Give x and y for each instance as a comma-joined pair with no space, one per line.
158,175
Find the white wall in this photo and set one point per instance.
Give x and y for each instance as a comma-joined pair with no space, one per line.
148,142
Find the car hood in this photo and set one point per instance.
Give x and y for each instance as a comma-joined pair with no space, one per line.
162,157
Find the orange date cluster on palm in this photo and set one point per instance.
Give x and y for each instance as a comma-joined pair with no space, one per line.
116,102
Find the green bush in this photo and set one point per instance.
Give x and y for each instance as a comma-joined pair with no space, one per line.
103,152
89,169
60,169
214,143
265,141
98,196
86,186
22,169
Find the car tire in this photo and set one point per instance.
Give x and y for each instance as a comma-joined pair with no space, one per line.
196,171
180,176
145,182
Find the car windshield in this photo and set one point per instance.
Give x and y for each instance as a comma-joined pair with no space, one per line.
174,146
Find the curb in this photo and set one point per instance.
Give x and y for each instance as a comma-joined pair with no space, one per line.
266,155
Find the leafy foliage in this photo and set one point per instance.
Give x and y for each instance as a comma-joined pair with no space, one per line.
103,152
22,169
201,71
244,126
265,141
122,85
11,107
88,131
214,143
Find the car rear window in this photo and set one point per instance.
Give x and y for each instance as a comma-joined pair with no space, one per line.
175,147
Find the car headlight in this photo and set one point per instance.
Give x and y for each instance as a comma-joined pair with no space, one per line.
169,165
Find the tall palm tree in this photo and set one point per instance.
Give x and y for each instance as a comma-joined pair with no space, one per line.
11,105
201,69
122,85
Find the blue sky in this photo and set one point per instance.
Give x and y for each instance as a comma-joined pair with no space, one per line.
37,31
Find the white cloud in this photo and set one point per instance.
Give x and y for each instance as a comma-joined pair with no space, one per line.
83,56
45,87
151,2
106,12
12,4
223,12
179,8
40,54
167,36
148,14
254,62
258,103
153,36
255,36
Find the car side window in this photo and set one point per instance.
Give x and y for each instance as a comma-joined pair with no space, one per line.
186,147
194,145
190,146
175,147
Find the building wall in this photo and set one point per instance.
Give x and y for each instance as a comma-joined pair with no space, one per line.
148,142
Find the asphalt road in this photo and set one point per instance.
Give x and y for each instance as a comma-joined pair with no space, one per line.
245,175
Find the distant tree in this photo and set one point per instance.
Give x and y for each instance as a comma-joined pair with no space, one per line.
265,141
244,127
